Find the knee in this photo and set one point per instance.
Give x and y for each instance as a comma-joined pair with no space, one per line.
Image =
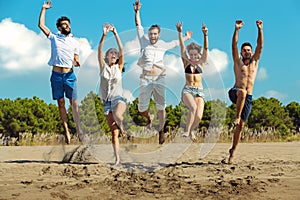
113,128
115,135
74,103
242,93
119,117
240,126
193,109
112,125
61,103
198,116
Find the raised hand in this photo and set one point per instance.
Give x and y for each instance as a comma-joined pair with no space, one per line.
106,28
239,24
137,5
188,34
47,4
259,24
179,26
204,29
113,29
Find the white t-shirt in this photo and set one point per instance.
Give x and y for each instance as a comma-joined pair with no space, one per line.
63,49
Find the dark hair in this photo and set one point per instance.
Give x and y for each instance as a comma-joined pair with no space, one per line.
155,26
246,44
59,20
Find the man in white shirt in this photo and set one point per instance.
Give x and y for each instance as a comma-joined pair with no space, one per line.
152,79
64,54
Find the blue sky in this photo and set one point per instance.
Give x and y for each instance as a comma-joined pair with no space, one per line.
24,51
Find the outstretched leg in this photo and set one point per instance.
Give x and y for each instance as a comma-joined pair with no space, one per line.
161,117
115,133
76,116
149,118
198,116
118,116
63,116
190,102
236,138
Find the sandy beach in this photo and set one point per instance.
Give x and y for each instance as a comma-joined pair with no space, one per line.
259,171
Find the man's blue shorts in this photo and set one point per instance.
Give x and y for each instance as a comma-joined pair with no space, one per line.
248,103
63,84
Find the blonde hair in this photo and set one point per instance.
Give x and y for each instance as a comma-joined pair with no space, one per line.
194,46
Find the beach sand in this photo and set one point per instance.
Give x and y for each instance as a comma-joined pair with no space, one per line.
259,171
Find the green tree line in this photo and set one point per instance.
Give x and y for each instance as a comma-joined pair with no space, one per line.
36,116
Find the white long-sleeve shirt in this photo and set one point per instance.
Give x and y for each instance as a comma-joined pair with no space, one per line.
152,54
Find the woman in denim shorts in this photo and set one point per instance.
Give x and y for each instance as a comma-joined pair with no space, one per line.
111,91
192,93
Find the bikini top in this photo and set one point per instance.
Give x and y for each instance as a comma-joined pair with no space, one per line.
188,70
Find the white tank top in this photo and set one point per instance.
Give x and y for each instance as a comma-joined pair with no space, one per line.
111,82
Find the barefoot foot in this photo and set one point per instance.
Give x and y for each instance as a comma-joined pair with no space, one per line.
237,121
230,159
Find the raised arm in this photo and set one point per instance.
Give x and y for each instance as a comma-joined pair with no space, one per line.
121,50
137,6
181,42
205,45
235,52
181,39
42,25
101,55
260,40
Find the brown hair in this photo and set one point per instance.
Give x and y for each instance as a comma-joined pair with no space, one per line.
155,26
193,46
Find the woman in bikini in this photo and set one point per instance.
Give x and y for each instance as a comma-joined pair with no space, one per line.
192,93
111,90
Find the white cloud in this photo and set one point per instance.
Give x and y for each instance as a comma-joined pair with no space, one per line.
262,74
174,66
128,95
85,49
21,49
132,48
275,94
217,62
216,93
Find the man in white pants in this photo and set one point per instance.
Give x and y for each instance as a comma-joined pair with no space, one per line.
152,79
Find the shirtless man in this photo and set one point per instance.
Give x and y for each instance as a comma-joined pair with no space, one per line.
245,69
